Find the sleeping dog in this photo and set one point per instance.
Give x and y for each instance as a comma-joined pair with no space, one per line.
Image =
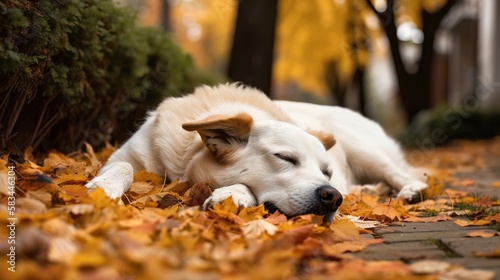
280,154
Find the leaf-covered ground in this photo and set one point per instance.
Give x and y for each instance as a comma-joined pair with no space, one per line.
157,230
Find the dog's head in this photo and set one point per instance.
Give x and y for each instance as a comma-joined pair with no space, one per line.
285,167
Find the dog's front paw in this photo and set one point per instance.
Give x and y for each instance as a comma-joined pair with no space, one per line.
240,194
114,179
412,193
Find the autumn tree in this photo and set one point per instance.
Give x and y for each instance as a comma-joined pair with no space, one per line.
251,56
414,87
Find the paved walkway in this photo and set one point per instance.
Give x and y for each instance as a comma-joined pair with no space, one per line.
447,241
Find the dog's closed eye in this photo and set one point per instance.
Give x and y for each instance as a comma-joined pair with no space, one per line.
327,173
290,159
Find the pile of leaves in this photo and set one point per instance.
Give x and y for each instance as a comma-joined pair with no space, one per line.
158,231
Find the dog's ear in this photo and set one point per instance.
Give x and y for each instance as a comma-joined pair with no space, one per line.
221,134
327,139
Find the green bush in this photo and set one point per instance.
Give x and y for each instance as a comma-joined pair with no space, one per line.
443,124
81,71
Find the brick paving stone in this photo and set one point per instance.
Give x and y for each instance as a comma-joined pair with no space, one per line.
421,227
408,251
467,246
423,235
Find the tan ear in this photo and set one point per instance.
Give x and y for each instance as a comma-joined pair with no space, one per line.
327,139
221,134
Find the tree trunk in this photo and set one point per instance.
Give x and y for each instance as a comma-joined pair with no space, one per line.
414,88
251,57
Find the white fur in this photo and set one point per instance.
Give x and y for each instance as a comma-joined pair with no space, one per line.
363,152
252,173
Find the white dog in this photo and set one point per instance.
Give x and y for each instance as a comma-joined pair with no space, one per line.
281,154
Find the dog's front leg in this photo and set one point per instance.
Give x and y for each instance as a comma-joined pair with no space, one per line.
240,193
114,179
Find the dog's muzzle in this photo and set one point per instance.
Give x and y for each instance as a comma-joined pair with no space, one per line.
326,202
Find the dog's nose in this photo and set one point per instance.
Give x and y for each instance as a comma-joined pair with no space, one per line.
330,197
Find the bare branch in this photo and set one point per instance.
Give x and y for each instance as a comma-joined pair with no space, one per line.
370,4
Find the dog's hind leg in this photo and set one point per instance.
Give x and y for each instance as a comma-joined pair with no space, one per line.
240,193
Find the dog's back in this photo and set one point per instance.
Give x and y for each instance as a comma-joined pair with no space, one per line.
166,146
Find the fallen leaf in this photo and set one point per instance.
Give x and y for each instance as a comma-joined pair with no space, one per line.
429,267
30,205
434,187
462,273
276,218
71,179
495,254
258,227
197,194
61,250
345,230
389,211
438,218
362,223
467,183
144,176
482,233
463,223
484,202
495,218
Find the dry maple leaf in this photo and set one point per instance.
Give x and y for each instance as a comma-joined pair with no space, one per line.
344,230
484,202
258,227
434,187
463,223
495,218
495,254
389,211
438,218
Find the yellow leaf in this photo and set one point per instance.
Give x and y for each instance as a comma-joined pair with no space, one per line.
253,213
345,230
342,247
71,179
99,199
227,206
88,259
434,187
144,176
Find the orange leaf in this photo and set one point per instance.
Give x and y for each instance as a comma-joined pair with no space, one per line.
467,183
463,223
495,218
438,218
482,233
484,202
435,187
276,218
98,198
345,230
144,176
